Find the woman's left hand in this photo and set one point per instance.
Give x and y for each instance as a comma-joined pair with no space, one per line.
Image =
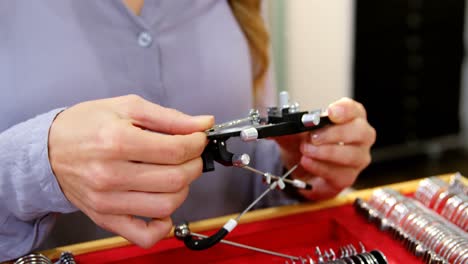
332,157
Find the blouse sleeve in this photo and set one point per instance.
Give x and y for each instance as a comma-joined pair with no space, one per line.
29,192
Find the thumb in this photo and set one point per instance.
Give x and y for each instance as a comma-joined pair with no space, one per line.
345,109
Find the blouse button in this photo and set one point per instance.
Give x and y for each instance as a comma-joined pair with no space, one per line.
145,39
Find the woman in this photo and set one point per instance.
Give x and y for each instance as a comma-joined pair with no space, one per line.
73,139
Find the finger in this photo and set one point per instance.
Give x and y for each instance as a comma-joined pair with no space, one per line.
144,177
346,155
345,110
130,143
356,132
161,119
338,177
153,205
321,189
291,142
144,234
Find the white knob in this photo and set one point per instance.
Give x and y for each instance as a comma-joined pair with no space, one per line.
283,99
249,134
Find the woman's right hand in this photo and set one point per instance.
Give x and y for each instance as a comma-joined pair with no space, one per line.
123,157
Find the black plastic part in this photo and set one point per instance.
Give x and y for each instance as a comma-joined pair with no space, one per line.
208,160
355,259
274,129
216,151
308,186
194,243
381,259
279,124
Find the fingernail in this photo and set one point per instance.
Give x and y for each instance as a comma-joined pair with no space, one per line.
336,112
315,138
309,149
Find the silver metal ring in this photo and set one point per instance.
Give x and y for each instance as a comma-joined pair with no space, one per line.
451,206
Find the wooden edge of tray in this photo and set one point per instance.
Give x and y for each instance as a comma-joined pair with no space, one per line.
257,215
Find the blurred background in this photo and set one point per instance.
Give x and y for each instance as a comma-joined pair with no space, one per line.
403,59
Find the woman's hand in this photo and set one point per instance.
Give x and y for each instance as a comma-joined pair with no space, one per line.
123,157
331,158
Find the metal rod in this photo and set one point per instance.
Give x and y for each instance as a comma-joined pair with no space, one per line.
254,119
254,203
247,167
251,248
265,192
262,173
271,175
231,123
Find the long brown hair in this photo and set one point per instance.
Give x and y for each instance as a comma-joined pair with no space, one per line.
248,14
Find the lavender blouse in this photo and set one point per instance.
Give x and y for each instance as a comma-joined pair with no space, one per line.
185,54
